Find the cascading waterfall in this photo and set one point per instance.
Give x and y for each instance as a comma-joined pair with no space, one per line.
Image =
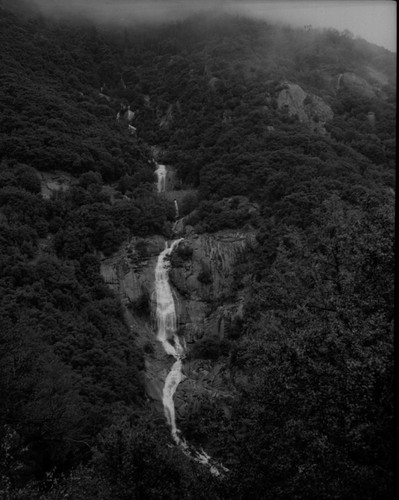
167,335
166,326
176,209
161,174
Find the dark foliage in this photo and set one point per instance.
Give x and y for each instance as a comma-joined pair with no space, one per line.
311,358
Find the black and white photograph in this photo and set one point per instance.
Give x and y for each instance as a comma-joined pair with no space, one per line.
197,250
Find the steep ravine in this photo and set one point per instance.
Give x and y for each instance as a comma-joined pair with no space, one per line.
175,347
205,309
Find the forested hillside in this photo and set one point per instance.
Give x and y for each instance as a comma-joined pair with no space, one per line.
285,134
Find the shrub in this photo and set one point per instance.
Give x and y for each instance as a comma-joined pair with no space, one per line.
234,332
210,348
28,179
184,251
88,178
141,248
148,347
188,204
141,306
205,275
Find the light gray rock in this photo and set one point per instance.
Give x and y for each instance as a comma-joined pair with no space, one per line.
55,181
129,274
310,109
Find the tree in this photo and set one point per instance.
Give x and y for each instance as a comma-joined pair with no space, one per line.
318,401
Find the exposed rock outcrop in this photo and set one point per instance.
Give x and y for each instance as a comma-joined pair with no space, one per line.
130,272
55,181
125,114
309,108
214,254
202,281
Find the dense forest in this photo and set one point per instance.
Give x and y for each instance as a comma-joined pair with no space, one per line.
216,95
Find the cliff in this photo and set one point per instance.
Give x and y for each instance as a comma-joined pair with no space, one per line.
202,278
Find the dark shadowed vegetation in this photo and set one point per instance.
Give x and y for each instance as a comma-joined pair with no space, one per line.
311,359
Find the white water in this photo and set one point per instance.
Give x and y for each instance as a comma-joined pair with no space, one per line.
167,335
176,210
161,174
166,326
166,313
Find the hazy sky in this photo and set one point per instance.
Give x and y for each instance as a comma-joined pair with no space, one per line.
374,20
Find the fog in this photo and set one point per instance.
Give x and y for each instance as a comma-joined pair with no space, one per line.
129,11
374,20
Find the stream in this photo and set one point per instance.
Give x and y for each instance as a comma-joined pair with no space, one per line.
166,319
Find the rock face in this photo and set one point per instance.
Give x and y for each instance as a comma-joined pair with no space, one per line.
201,277
205,279
55,181
130,272
309,108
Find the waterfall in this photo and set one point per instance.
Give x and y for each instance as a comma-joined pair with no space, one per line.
166,332
166,313
161,174
173,379
167,335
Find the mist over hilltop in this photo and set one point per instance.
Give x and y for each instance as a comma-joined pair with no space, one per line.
373,21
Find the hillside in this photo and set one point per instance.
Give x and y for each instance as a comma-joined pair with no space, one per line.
279,146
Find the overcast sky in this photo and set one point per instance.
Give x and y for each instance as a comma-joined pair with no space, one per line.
374,20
